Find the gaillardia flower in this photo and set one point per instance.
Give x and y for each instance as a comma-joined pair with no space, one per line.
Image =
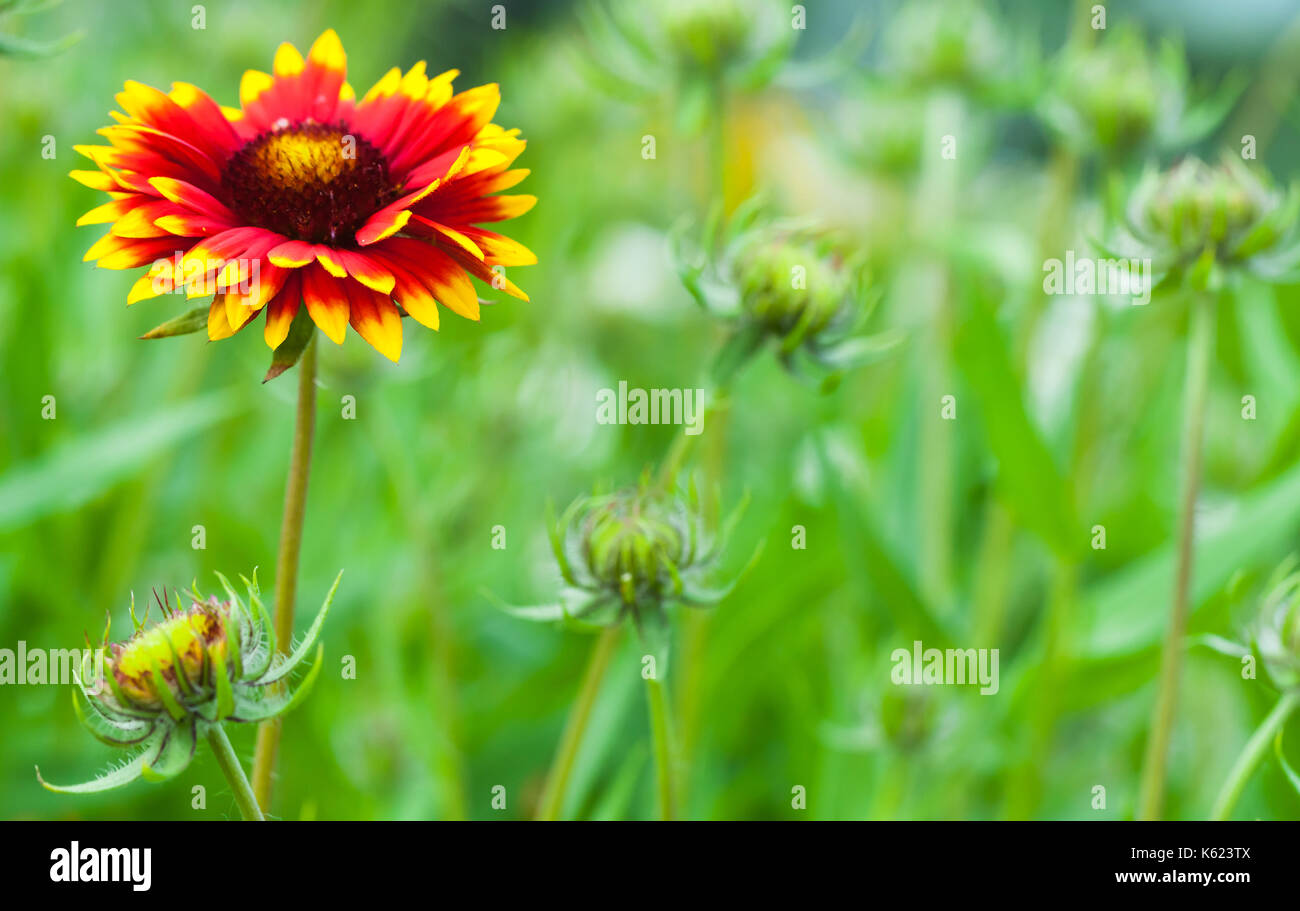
170,683
360,211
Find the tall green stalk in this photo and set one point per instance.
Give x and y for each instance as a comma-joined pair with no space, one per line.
661,733
286,564
1200,347
557,782
932,221
1253,752
234,772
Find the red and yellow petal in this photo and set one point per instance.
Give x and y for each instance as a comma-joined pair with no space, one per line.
327,302
282,309
436,271
376,320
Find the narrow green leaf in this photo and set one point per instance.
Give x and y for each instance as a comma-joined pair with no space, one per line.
88,466
284,357
114,778
1028,478
173,754
184,324
283,668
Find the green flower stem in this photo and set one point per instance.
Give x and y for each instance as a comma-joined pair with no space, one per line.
557,781
662,735
234,772
1253,752
932,220
1200,346
683,445
286,564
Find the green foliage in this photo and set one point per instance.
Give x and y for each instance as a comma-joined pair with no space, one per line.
165,460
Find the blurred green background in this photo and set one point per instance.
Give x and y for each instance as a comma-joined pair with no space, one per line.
1068,417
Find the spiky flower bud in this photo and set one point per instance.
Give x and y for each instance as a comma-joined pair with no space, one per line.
1276,633
1195,221
790,287
688,53
1117,97
707,34
955,44
781,281
632,552
200,666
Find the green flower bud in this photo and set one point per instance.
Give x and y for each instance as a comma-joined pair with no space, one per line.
166,685
1211,218
707,34
1116,92
790,283
791,286
1276,633
954,44
633,551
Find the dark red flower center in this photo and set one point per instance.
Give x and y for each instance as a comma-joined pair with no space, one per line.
311,182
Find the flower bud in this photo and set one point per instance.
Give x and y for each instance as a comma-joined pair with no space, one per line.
633,551
790,286
707,34
166,685
944,44
1114,93
1277,633
788,282
1212,218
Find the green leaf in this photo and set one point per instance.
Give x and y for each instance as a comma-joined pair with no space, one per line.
283,668
225,694
282,702
24,47
1028,478
103,728
300,333
538,613
185,324
84,468
1119,610
172,755
114,778
164,690
1290,773
886,580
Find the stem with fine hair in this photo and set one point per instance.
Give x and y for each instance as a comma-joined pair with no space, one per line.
234,772
557,782
286,564
1200,346
661,734
1251,755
